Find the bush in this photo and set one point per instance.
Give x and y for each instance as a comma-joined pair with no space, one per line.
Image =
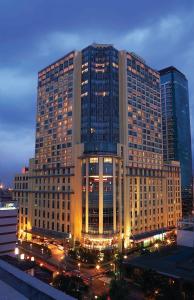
84,255
119,289
71,285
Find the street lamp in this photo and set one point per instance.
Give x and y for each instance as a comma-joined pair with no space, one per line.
79,265
22,256
97,267
17,251
114,267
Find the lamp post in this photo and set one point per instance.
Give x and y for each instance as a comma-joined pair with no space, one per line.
97,267
17,252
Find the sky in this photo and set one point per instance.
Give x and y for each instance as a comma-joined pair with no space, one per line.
35,33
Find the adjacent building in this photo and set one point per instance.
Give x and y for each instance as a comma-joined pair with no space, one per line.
16,284
176,129
185,232
8,226
5,195
98,174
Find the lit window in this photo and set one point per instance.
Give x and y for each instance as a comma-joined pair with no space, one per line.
93,160
108,160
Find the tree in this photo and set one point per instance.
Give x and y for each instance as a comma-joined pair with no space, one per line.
71,285
119,266
119,289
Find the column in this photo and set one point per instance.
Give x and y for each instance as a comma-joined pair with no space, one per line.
100,195
114,196
87,208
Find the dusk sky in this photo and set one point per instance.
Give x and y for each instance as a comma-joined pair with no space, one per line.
35,33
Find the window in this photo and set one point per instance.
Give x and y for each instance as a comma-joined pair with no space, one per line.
108,160
93,160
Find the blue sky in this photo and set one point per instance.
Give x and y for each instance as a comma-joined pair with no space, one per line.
35,33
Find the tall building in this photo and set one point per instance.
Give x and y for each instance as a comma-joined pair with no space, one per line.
98,174
176,128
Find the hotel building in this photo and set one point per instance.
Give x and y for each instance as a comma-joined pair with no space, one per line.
176,129
98,174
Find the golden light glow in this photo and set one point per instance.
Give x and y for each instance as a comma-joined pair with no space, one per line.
22,256
17,251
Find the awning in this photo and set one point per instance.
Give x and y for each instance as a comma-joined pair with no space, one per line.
149,234
49,233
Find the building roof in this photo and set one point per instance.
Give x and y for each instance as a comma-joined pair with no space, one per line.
175,262
10,293
48,233
146,235
170,70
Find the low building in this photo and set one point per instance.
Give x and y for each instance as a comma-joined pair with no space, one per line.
6,195
8,224
185,232
172,262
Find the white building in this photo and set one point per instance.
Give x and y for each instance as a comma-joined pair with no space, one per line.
185,232
8,223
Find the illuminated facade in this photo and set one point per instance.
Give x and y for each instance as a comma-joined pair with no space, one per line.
176,129
98,174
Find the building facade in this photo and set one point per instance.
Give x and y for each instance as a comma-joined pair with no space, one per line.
98,174
8,225
5,195
185,232
176,129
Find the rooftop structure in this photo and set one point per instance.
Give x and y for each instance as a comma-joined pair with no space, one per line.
172,262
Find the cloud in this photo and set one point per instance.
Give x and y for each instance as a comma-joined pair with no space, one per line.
16,147
33,36
158,40
58,41
15,83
